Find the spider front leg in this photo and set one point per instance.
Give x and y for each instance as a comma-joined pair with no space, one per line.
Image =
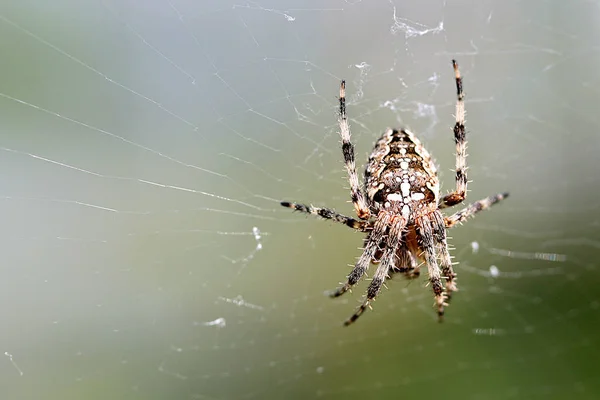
357,196
387,263
426,243
460,139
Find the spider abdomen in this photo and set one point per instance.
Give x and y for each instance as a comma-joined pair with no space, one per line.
400,175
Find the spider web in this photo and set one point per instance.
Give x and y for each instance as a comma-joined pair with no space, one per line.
145,147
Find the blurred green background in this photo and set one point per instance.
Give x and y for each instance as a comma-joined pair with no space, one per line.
145,146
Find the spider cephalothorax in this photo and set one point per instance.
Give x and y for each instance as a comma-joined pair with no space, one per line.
400,208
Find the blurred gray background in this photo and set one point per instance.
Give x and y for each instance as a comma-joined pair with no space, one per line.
144,148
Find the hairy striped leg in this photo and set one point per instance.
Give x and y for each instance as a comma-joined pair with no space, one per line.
387,263
426,243
439,237
326,213
473,209
460,139
375,237
357,196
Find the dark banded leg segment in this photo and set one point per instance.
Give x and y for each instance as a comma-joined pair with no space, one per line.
361,266
326,213
357,196
426,242
387,263
473,209
460,140
439,237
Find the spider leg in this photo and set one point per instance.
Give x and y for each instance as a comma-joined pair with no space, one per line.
473,209
387,263
375,237
439,236
460,139
426,243
326,213
357,196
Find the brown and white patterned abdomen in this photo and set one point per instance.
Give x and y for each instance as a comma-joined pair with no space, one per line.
400,176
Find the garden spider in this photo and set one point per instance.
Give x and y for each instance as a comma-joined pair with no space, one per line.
399,208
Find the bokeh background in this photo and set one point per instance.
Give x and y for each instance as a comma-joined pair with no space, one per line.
145,145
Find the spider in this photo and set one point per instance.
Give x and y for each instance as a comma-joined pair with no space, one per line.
399,208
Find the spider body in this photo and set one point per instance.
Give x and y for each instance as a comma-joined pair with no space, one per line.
400,176
399,209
